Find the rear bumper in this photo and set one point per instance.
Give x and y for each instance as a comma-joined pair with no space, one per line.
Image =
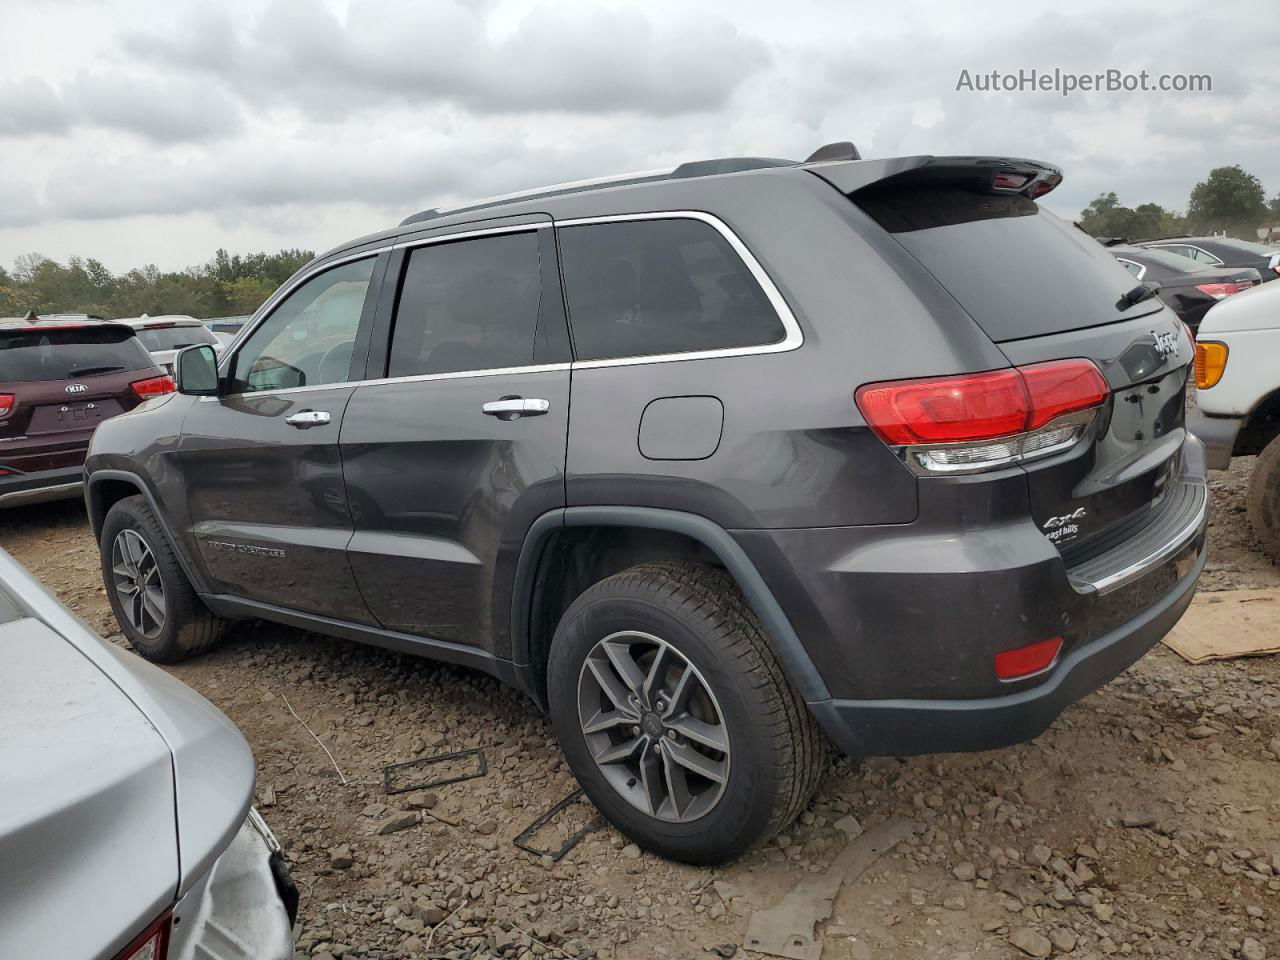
1218,434
241,908
915,726
26,488
900,625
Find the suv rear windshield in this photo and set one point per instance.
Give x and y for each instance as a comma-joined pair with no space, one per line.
1014,267
50,353
175,338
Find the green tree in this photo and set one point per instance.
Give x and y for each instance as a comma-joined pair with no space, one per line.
1273,208
1229,200
1105,217
245,294
226,284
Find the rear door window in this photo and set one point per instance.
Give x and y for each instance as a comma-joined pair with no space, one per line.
468,305
52,353
646,287
1013,266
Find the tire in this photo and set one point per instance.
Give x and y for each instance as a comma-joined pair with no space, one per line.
775,753
1263,499
186,627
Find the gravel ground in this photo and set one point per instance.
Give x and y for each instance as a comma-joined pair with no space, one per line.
1145,821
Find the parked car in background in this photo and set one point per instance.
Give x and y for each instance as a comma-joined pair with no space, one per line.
1188,288
1223,252
1238,399
226,328
165,336
59,379
126,831
880,448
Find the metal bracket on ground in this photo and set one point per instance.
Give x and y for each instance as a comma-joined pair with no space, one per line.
524,836
393,772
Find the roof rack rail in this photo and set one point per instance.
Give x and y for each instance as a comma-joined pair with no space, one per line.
688,170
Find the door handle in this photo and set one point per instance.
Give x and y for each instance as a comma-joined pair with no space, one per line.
307,418
513,408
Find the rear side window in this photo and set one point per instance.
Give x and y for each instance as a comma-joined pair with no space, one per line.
647,287
50,353
468,305
1014,267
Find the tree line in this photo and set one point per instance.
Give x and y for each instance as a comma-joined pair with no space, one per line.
1230,200
227,285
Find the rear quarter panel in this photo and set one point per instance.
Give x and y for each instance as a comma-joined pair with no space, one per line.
794,452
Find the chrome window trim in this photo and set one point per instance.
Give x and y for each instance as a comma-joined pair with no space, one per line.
468,234
414,378
467,374
1142,271
793,336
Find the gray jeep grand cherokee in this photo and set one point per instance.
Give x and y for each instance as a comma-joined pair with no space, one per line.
710,463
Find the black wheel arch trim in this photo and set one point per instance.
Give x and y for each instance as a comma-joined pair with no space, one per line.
93,505
796,662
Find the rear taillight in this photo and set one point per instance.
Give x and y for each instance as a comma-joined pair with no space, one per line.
1274,264
151,944
1211,363
977,421
1220,290
6,404
153,387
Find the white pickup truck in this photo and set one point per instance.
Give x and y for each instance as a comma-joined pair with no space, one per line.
1238,398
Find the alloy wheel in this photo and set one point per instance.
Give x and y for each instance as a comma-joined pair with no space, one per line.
137,583
653,726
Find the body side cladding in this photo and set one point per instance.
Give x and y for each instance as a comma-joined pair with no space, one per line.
796,662
238,608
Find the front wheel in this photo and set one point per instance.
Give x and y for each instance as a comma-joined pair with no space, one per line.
154,603
1264,499
675,716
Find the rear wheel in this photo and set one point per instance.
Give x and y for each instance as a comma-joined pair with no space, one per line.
1264,499
158,611
675,716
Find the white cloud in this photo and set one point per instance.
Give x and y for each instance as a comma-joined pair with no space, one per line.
134,133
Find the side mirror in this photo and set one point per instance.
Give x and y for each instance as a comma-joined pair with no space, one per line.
195,371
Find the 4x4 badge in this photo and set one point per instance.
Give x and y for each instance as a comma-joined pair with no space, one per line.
1065,527
1166,342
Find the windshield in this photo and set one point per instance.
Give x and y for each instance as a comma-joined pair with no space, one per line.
175,338
47,353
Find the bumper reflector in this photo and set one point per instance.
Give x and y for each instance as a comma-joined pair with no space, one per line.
1024,661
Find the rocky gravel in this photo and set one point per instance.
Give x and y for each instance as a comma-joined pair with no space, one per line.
1145,822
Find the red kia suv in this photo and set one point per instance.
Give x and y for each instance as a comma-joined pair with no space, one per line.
58,380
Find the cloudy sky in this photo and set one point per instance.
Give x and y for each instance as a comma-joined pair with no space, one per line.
155,132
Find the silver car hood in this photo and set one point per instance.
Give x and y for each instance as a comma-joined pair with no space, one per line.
119,786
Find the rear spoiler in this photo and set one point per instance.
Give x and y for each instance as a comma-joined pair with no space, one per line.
1002,175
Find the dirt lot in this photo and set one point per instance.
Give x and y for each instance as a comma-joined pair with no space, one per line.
1145,821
